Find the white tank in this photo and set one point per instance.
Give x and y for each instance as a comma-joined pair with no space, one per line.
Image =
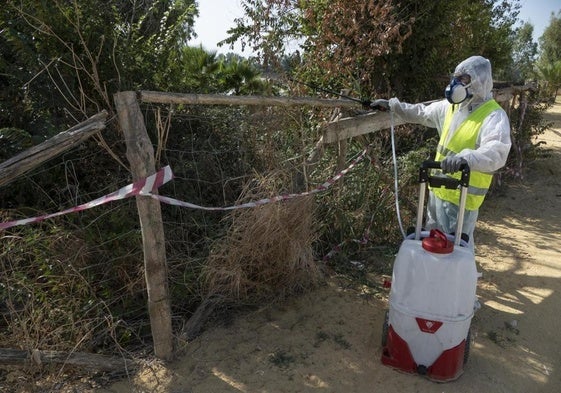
432,298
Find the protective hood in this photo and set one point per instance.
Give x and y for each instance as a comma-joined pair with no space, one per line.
479,69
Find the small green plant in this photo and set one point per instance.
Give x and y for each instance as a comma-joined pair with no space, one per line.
321,337
341,341
281,359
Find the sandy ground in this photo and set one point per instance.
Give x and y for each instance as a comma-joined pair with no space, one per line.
329,340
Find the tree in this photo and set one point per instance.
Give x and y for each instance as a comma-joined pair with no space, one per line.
267,27
549,62
380,48
550,41
341,41
348,41
445,33
198,71
524,53
63,60
550,73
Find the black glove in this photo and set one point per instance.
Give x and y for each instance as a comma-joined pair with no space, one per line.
452,164
380,104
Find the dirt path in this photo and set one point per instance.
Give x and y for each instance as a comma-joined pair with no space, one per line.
329,340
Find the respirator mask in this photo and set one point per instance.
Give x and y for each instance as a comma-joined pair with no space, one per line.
457,91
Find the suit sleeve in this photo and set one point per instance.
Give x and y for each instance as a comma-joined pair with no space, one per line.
493,144
431,115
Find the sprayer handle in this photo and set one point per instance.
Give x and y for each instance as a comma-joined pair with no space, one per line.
447,182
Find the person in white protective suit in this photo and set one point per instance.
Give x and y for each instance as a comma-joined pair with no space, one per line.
473,129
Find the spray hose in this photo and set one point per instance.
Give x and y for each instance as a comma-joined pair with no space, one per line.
395,176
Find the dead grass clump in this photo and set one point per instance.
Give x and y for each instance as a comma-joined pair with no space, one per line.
266,254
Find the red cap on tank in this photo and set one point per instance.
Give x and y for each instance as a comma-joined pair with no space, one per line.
438,243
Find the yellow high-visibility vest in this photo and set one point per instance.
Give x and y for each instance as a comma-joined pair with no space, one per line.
465,137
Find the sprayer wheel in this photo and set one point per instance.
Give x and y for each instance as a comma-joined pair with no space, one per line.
385,328
467,346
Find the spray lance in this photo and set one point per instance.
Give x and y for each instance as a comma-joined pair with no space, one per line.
366,103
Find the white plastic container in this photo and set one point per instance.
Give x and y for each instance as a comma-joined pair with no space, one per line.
434,284
432,299
432,294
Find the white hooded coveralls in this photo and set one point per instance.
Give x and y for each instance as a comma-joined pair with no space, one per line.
492,145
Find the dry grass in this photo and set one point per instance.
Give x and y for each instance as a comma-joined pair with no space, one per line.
266,255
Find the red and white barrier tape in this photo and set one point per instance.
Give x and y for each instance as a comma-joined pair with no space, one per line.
141,186
320,188
146,186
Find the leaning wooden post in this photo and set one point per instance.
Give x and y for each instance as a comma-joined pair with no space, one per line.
140,154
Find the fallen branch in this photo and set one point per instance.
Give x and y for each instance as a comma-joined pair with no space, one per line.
89,361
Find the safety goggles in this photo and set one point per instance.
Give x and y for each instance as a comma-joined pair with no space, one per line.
464,79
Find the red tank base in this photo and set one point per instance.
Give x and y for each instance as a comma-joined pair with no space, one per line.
448,367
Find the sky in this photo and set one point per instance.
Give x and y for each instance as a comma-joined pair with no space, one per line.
217,16
538,13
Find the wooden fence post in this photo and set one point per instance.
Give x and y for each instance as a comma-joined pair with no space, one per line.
140,154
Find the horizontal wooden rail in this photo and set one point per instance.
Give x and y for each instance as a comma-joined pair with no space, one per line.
332,132
36,155
156,97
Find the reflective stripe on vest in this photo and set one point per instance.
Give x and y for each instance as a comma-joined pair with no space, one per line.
465,137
